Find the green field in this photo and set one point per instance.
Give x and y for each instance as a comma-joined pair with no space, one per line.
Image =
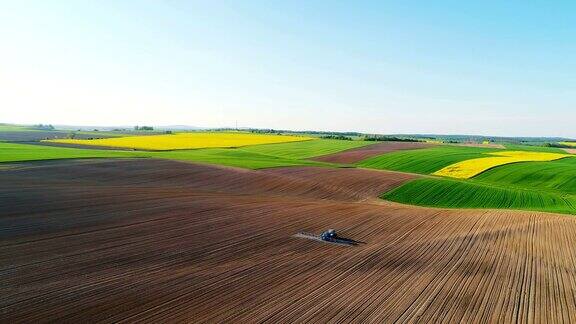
424,161
305,150
559,175
532,148
14,128
543,186
230,157
441,192
12,152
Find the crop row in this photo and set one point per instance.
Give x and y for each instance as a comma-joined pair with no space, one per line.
440,192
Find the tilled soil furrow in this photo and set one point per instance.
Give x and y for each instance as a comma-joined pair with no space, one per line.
160,241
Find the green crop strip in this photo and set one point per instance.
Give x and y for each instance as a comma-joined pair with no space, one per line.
541,186
424,161
232,157
438,192
11,152
559,175
517,147
273,155
305,150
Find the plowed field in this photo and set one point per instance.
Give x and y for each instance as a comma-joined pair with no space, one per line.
361,153
163,241
358,182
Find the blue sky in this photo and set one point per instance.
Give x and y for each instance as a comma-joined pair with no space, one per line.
447,67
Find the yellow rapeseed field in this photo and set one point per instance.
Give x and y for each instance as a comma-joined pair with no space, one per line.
182,141
469,168
569,143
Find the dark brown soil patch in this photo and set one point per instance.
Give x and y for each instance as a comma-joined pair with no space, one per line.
160,242
360,182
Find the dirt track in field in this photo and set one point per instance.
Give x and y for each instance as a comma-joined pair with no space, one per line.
161,241
358,154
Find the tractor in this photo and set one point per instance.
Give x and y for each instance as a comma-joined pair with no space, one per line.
328,235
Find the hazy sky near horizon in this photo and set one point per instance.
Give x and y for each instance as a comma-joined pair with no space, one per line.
445,67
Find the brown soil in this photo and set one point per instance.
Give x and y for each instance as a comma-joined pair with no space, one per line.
162,241
571,151
361,183
361,153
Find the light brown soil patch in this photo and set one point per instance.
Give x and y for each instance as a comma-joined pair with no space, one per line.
161,242
571,151
358,154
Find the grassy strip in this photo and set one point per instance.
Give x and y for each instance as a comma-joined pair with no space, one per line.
11,152
305,150
16,128
439,192
232,157
541,186
572,144
559,175
424,161
533,148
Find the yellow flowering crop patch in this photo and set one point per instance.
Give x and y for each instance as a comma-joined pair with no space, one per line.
469,168
182,141
569,143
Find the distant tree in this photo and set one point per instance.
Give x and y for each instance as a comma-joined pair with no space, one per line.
337,137
558,145
379,138
43,127
143,128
